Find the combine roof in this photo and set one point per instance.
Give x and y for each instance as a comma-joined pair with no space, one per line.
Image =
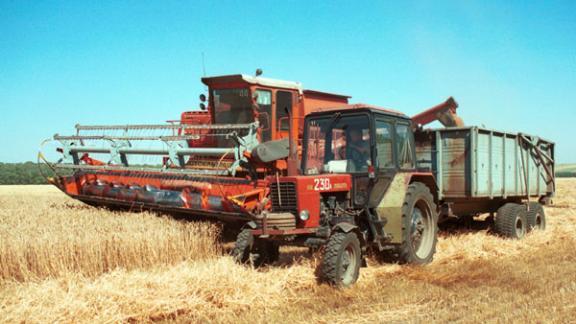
253,80
266,82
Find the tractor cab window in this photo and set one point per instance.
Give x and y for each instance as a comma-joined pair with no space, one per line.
404,145
337,144
232,106
384,145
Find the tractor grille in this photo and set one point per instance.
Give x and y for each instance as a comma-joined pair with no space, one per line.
286,202
276,221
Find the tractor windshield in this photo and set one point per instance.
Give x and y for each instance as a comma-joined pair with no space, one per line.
232,106
337,144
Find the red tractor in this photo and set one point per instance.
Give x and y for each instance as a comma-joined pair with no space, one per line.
366,183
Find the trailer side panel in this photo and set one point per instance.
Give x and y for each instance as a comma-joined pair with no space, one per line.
481,163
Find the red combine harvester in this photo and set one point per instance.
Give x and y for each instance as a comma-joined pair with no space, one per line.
213,162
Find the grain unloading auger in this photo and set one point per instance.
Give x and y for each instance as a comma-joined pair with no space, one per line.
214,162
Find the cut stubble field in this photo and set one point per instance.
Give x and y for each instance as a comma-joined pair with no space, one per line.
62,261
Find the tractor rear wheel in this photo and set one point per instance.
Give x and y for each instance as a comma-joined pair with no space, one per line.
341,262
253,251
419,226
535,217
511,221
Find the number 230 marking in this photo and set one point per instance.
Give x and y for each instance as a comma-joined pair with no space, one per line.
322,184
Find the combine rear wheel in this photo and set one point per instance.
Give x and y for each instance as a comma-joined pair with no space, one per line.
511,221
254,251
535,217
341,261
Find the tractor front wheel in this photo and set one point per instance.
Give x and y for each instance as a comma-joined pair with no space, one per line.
342,259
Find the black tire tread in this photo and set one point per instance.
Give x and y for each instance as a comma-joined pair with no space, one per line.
242,247
332,250
257,252
534,209
404,254
505,222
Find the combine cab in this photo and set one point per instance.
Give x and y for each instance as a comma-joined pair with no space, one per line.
213,162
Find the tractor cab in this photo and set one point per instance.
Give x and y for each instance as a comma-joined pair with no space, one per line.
369,144
358,189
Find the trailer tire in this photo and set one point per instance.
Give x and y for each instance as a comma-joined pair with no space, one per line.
341,261
535,217
511,221
252,251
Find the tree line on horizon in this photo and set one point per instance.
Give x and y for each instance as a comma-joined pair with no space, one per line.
34,173
23,173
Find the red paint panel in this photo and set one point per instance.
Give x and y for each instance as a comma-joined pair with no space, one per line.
309,189
247,194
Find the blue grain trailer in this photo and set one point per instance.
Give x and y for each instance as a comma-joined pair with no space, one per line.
479,170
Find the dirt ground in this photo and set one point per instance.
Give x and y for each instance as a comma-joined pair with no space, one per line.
158,269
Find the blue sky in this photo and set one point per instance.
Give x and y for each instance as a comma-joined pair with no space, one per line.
511,66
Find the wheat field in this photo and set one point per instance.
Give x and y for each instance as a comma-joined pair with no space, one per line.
62,261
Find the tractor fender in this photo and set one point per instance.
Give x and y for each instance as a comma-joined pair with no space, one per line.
347,228
344,227
429,180
389,208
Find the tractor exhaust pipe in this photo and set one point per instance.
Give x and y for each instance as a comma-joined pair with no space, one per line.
292,162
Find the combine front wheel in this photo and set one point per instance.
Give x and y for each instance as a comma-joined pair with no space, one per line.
254,251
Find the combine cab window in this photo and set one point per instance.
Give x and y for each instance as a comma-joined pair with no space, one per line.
264,101
283,103
232,106
338,145
384,146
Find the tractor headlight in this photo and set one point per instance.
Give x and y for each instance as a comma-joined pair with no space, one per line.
304,215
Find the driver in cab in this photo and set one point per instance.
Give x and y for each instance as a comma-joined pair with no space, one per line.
358,149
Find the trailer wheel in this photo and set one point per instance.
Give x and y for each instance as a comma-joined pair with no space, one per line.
253,251
535,217
511,221
419,226
341,262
